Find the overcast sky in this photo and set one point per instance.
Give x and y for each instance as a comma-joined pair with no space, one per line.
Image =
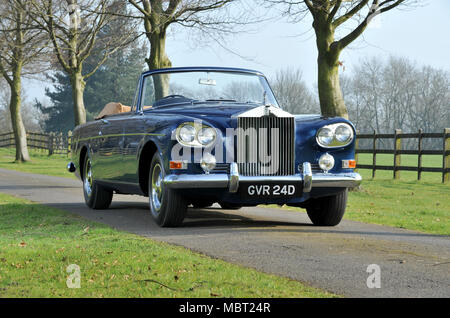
420,34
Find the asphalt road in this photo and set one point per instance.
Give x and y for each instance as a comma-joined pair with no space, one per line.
271,240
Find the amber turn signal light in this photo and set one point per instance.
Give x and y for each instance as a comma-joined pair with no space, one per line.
349,164
176,165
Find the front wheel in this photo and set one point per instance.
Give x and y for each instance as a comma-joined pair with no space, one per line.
167,206
327,211
95,196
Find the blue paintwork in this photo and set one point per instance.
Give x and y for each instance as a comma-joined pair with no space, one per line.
116,159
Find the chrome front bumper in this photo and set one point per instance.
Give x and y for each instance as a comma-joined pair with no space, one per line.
232,180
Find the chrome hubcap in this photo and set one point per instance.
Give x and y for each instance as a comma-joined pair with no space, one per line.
157,190
88,178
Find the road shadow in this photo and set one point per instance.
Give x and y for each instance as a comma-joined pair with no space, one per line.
136,216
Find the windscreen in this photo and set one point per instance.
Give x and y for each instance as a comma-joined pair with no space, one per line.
209,87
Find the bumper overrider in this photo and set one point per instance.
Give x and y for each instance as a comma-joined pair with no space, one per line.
232,180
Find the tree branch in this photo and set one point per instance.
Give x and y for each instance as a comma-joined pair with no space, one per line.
338,21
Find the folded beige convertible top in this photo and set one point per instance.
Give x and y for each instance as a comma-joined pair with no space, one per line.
113,108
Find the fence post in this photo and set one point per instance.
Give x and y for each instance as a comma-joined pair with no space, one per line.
374,158
69,142
60,142
446,156
50,144
419,158
397,156
356,148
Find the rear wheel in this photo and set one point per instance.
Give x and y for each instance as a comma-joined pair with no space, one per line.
95,196
167,206
327,211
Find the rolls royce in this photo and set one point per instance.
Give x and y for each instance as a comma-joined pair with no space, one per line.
204,135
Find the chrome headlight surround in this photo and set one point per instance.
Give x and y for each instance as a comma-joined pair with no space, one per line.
342,135
200,135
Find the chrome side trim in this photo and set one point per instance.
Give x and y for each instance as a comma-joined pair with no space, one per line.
307,177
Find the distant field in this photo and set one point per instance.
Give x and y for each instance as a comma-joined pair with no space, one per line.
41,163
406,160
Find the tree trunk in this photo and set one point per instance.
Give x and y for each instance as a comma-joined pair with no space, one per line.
159,59
78,85
330,94
20,135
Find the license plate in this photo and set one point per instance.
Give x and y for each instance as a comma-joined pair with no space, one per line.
269,190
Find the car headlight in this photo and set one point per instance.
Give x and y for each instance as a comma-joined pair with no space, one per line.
335,135
325,136
187,133
343,133
206,135
195,135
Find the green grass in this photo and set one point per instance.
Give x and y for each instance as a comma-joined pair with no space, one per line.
41,163
420,206
405,203
37,244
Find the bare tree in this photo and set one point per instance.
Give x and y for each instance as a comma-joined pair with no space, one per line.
31,116
397,94
21,49
329,19
76,29
158,15
292,92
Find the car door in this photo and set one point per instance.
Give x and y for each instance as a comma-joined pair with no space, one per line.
135,131
109,155
134,136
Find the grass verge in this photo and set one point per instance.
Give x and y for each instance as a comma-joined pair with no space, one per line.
38,243
41,163
405,203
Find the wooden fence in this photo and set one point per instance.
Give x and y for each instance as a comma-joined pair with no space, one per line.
397,151
52,143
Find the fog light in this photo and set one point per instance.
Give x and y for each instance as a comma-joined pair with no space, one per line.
208,162
326,162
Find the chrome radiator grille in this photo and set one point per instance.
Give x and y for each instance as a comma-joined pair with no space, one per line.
265,146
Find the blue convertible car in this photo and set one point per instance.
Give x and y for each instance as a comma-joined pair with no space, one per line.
201,135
